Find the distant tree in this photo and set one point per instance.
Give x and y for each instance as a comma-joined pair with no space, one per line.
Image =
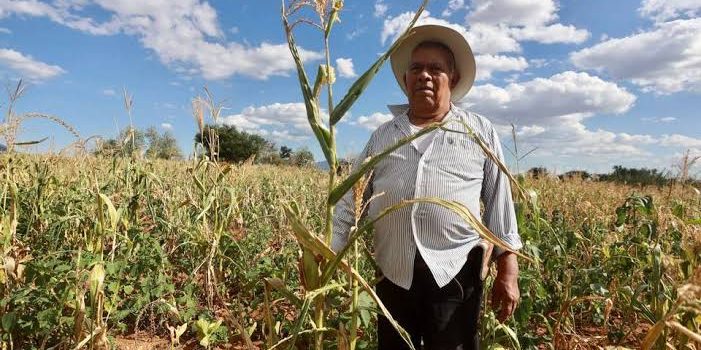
162,146
538,172
234,145
269,154
576,174
149,143
3,148
302,157
635,176
130,141
285,152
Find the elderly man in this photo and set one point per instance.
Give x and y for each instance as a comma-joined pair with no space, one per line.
430,257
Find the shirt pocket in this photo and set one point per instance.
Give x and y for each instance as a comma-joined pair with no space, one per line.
459,156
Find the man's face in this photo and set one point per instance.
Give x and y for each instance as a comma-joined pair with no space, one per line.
429,80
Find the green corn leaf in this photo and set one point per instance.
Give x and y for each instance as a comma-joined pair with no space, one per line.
300,322
341,189
310,102
364,80
304,332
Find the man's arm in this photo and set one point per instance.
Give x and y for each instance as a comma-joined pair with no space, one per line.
500,217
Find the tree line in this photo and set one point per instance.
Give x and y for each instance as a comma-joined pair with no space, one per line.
625,175
223,142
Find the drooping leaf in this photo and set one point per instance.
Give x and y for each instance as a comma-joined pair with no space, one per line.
364,80
341,189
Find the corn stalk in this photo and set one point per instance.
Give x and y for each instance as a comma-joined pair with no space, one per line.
318,263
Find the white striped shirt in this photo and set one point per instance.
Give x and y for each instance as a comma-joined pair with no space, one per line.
454,167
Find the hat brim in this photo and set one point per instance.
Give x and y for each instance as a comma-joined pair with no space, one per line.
464,59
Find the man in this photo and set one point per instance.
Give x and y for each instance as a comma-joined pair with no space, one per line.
430,257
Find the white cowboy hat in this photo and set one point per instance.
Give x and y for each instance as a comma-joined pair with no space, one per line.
464,59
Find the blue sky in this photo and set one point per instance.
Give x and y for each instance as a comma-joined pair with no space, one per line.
591,84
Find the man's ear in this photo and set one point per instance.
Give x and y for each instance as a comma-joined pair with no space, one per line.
454,81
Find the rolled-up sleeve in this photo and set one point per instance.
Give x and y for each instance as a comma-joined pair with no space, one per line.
344,213
499,215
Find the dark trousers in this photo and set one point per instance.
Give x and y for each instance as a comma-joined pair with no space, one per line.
444,318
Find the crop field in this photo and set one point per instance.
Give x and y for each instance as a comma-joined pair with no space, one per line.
131,253
119,250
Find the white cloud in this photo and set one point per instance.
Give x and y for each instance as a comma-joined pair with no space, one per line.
489,39
659,120
512,12
680,141
530,131
497,35
662,10
167,126
536,101
487,64
29,67
380,8
286,121
556,33
109,92
485,39
526,20
345,67
665,60
453,6
184,34
5,30
372,121
551,115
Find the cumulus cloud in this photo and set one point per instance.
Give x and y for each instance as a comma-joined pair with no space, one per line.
556,33
167,126
662,10
5,30
380,8
488,64
526,20
372,121
512,12
28,67
183,34
665,60
345,68
485,39
551,115
541,99
682,141
453,6
286,121
492,37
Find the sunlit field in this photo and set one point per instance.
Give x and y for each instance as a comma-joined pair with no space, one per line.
103,253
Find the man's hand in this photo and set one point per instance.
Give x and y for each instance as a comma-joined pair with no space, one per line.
505,294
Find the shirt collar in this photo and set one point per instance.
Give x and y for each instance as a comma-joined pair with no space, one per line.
401,116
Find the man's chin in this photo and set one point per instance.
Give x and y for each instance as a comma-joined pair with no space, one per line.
423,104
